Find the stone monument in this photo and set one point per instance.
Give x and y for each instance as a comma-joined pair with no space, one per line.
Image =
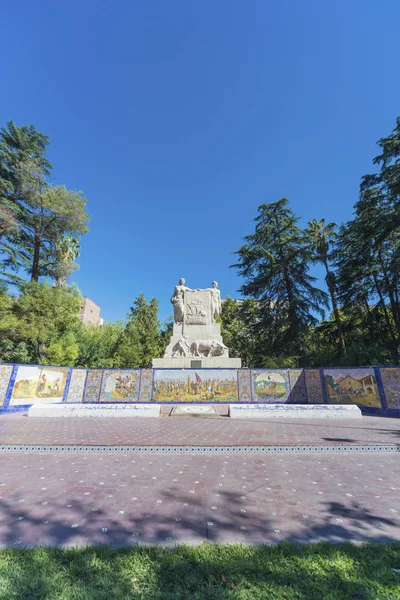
196,340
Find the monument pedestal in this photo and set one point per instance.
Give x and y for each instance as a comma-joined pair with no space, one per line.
190,362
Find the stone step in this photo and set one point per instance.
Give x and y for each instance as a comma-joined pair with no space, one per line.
194,410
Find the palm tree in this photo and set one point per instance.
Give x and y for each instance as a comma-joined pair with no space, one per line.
321,236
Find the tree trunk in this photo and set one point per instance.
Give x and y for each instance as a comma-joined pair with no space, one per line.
332,292
393,303
291,313
36,257
385,312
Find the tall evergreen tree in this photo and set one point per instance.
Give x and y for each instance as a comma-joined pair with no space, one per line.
142,340
35,217
275,265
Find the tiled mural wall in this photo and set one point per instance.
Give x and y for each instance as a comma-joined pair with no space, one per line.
373,389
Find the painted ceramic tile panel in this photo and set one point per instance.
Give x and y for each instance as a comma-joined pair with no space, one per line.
270,385
76,385
244,380
314,388
35,385
146,385
120,386
5,374
391,385
201,385
298,392
93,384
352,386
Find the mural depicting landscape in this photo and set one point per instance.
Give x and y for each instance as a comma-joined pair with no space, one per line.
270,386
120,386
352,386
39,384
195,386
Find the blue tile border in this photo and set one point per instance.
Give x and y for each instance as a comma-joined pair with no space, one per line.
143,449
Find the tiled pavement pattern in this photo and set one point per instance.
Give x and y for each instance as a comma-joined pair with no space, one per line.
124,500
68,499
19,429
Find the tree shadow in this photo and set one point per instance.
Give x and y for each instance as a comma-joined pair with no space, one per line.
212,572
337,439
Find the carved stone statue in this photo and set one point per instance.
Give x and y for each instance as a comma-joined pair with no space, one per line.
196,340
215,301
177,300
181,348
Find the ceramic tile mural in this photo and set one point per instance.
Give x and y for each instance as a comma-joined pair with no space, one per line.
298,392
33,384
352,386
5,374
195,385
314,388
76,385
38,384
391,385
93,385
244,382
146,385
120,385
270,385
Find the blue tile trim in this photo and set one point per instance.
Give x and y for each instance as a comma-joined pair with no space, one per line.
17,408
298,449
84,385
323,386
10,386
381,389
66,387
140,383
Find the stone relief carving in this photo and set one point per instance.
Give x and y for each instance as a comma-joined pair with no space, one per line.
178,300
208,348
196,313
205,348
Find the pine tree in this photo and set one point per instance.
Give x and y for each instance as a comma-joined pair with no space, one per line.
142,340
275,265
35,217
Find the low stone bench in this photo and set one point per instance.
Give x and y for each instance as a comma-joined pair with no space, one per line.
94,410
294,411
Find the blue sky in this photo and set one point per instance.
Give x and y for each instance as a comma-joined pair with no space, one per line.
179,118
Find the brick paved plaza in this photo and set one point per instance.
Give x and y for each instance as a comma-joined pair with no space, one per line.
64,498
19,429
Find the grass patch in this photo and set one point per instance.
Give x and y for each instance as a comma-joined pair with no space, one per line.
283,572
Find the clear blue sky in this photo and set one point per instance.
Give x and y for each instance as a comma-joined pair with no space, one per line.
179,118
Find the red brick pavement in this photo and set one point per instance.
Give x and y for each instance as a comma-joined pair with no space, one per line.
16,429
64,500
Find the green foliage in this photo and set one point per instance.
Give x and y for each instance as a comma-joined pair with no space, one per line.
275,265
38,326
98,346
362,274
40,225
142,340
276,325
241,332
321,237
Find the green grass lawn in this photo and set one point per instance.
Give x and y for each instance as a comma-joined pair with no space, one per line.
316,571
